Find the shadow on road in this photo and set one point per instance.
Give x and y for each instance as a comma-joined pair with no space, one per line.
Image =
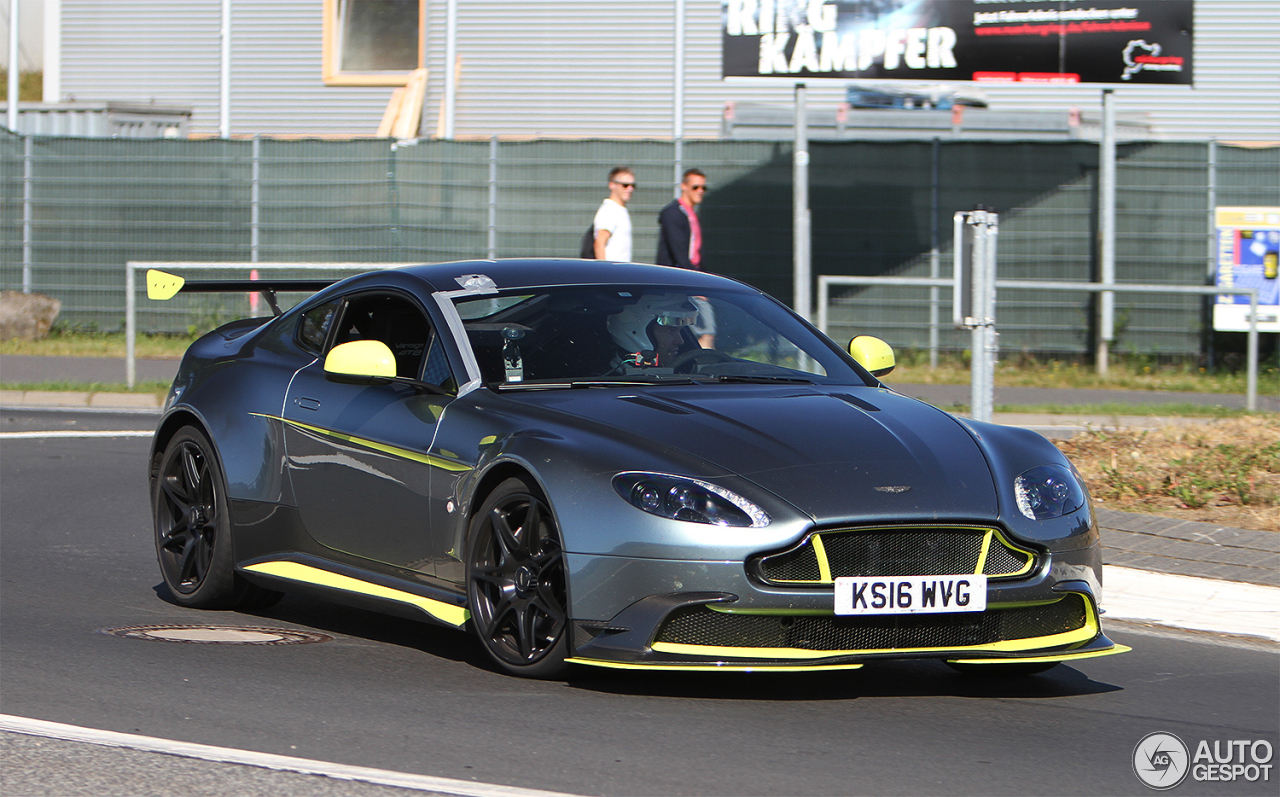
923,678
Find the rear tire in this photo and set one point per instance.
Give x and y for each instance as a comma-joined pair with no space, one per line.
517,583
193,529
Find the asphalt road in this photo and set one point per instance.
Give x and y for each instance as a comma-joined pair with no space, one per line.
76,557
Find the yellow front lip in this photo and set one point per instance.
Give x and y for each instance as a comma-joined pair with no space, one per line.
677,667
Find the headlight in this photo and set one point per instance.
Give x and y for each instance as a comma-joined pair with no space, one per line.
680,498
1048,491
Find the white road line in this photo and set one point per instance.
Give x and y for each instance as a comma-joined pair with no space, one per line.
70,433
226,755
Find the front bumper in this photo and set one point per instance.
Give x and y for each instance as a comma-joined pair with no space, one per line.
721,618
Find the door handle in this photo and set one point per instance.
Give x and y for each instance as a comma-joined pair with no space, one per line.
307,403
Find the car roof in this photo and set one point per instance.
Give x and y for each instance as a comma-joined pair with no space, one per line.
544,272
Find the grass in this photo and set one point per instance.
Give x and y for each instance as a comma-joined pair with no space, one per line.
63,342
1154,409
1226,471
1125,372
156,388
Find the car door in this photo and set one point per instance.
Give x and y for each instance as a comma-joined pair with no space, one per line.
359,455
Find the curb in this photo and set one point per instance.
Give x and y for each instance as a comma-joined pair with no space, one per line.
1203,604
43,399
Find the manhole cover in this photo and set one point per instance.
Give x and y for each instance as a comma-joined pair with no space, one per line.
217,634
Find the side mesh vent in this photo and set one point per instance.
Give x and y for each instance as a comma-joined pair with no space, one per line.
698,625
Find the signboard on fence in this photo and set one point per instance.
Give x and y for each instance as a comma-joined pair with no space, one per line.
1139,42
1248,257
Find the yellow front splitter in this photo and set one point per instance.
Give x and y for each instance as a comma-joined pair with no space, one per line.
711,666
1084,654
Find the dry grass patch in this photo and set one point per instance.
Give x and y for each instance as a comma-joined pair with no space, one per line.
1226,471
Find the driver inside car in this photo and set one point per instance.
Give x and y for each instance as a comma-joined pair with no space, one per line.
651,333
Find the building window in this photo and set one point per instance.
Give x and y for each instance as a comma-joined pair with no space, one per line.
373,42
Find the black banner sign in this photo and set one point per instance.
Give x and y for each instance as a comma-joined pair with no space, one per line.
986,41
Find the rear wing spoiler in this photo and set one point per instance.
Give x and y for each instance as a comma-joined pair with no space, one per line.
162,286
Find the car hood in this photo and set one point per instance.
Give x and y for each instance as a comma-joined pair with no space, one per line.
845,455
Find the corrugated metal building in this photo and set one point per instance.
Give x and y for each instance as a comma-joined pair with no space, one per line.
560,68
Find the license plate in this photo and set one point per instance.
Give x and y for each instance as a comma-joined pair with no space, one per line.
911,594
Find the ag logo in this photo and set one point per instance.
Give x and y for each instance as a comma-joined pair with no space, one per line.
1160,760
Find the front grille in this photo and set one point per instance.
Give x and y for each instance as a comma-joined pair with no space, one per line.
903,553
894,551
698,625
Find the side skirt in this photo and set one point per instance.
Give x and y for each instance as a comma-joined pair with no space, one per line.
352,586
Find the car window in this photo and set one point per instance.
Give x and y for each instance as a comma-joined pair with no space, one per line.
437,371
392,319
642,332
313,328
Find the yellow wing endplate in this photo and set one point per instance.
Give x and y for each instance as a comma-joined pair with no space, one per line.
162,285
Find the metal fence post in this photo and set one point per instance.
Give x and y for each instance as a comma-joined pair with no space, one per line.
800,209
935,264
977,337
255,209
990,335
1107,228
130,325
493,197
1211,237
27,193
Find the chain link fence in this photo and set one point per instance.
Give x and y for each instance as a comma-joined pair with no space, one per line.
74,211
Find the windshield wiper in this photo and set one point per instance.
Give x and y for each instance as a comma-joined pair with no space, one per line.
748,378
618,381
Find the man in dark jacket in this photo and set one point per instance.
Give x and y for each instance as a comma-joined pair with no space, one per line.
679,233
680,244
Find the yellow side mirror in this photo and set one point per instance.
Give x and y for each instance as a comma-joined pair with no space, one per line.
368,358
873,354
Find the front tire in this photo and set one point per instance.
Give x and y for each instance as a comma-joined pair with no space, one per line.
516,582
193,529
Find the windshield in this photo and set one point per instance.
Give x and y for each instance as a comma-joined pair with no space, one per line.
602,335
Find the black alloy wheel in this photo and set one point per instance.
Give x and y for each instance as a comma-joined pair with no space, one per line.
516,582
193,530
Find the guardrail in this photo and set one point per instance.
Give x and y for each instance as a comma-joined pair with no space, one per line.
131,290
825,282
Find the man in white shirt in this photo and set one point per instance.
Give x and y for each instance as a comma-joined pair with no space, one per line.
613,221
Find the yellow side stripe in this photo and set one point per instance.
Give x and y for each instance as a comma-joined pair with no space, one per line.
395,451
293,571
675,667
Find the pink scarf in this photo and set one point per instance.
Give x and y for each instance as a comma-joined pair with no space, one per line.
695,233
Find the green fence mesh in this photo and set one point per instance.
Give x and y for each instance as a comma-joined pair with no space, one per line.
88,206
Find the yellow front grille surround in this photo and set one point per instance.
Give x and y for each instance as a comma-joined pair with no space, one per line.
991,538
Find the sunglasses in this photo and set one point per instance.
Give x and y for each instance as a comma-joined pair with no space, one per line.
625,185
697,188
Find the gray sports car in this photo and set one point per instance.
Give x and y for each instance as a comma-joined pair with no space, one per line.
613,465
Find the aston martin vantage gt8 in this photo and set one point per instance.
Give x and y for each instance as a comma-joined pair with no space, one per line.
612,465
